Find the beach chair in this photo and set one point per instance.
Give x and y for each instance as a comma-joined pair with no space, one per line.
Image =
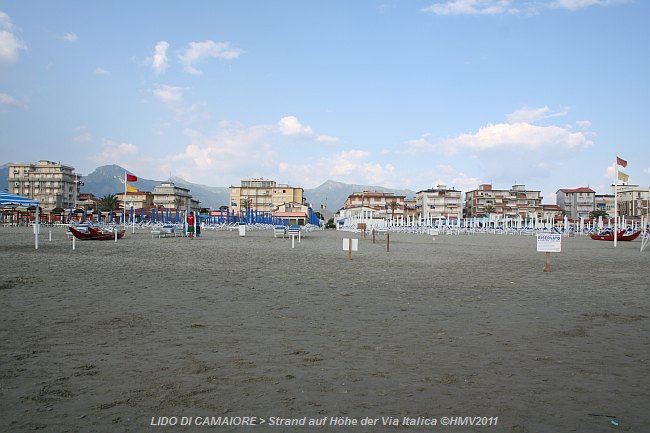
279,231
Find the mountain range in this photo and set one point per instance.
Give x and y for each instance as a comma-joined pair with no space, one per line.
106,180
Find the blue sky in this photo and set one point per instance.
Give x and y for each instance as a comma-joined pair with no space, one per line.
393,93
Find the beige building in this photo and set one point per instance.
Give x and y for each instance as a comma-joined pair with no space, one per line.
263,195
438,202
169,196
513,202
135,199
605,202
378,202
576,202
633,200
53,184
295,213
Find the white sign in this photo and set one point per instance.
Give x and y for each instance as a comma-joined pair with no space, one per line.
346,244
549,243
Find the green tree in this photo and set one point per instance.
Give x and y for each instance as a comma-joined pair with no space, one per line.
393,205
108,202
598,213
178,203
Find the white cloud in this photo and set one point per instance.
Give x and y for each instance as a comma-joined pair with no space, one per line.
113,152
531,151
520,135
327,139
9,43
159,62
573,5
101,71
472,7
169,94
498,7
83,138
530,115
233,149
452,178
5,21
70,37
351,166
199,51
291,126
7,102
172,97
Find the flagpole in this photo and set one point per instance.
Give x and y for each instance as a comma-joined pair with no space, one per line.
616,203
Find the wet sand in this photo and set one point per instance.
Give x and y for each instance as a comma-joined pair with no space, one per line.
103,338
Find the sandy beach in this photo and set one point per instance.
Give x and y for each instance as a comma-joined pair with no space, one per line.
112,337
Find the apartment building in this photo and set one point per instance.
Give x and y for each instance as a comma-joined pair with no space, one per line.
53,184
576,202
633,200
170,196
135,199
605,202
513,202
379,202
264,195
438,202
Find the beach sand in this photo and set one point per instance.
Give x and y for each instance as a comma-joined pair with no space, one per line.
111,335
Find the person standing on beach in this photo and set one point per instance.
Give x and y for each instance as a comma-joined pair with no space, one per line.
190,225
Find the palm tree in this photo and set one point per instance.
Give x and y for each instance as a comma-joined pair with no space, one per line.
489,209
597,213
245,204
108,202
178,202
393,205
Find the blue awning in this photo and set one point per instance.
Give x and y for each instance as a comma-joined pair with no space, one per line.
12,200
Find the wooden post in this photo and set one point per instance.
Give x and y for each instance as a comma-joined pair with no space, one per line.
373,236
388,242
73,243
350,248
548,262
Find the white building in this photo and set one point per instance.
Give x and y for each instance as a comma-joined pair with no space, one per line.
576,202
438,202
53,184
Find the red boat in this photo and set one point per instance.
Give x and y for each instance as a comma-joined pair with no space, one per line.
607,236
631,236
95,233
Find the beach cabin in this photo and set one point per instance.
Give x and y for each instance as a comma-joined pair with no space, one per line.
295,213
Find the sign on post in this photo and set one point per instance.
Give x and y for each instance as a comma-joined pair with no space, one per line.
549,243
350,245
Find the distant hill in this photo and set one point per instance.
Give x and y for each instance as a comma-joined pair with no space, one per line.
333,194
105,180
4,175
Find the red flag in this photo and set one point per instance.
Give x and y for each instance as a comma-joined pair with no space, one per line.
621,162
132,178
